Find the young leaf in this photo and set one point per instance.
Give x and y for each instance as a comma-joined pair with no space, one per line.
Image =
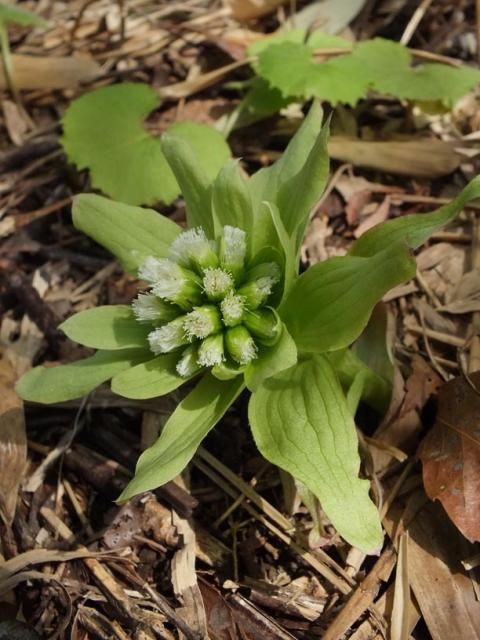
195,167
231,199
104,132
301,422
281,356
108,327
330,304
150,379
193,418
413,229
130,233
68,381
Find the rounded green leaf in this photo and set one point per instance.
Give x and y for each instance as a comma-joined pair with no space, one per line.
48,385
301,422
108,327
129,233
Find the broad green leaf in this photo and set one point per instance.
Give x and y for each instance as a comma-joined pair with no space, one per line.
195,161
188,425
287,243
331,303
150,379
413,229
301,422
231,199
317,40
107,327
282,355
375,344
104,132
130,233
48,385
381,65
16,15
376,390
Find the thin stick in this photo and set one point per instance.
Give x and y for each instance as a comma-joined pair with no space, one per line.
415,20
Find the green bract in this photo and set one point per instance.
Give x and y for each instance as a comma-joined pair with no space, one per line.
223,302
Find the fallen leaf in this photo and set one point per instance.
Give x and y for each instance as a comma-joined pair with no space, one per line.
13,442
450,454
49,72
249,9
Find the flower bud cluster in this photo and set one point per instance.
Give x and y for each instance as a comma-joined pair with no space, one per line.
206,302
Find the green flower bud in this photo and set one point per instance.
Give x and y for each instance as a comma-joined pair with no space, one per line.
233,249
240,345
149,308
169,337
264,324
193,249
172,282
202,322
217,283
210,351
257,292
232,308
188,365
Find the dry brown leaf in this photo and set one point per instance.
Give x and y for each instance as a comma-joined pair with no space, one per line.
450,454
418,158
13,442
49,72
249,9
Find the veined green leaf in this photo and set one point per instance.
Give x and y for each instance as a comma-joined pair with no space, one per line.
231,199
330,304
271,361
150,379
107,327
193,418
287,243
413,229
48,385
130,233
301,422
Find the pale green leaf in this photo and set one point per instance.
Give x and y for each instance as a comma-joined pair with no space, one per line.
104,132
195,161
130,233
301,423
271,361
150,379
231,199
15,15
188,425
316,39
107,327
413,229
48,385
331,303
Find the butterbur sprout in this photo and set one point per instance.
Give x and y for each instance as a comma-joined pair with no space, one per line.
223,304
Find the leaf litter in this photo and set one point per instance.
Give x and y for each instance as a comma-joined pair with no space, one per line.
225,533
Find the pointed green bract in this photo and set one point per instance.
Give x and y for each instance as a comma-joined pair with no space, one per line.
331,303
413,229
231,199
131,233
195,177
107,327
153,378
188,425
48,385
301,422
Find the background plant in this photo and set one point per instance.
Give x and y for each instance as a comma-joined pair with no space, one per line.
304,380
